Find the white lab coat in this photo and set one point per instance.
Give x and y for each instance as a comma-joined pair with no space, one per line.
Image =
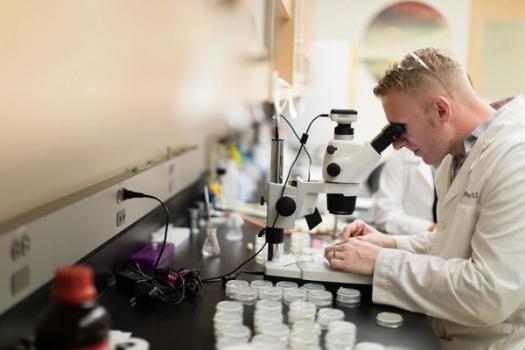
403,202
469,275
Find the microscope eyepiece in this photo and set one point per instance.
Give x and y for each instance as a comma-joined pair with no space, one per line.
387,136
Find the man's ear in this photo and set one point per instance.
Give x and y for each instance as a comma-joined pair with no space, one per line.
443,109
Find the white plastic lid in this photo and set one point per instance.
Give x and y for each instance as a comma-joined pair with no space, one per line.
313,286
302,305
293,294
245,294
320,297
261,284
389,319
349,295
232,285
223,318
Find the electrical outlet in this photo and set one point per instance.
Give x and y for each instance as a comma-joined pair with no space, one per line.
121,217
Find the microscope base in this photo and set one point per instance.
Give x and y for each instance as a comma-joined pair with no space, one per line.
313,271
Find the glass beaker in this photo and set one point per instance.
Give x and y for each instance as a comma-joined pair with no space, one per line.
211,243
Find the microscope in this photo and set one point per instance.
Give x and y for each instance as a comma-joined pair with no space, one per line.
346,164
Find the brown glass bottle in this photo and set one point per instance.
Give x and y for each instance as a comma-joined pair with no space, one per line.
74,321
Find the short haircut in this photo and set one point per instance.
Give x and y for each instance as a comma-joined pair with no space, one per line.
410,74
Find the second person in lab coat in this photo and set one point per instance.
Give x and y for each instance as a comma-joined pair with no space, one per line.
403,202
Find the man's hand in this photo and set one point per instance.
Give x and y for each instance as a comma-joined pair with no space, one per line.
353,255
364,232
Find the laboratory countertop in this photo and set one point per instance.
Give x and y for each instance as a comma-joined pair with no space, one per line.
189,325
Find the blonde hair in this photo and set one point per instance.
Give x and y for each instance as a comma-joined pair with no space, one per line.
411,74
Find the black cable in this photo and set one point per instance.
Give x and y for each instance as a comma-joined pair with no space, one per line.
299,139
127,194
224,277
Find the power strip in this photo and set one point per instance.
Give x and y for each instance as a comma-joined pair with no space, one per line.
35,249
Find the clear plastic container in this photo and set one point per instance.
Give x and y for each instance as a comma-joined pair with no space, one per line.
271,293
348,297
303,340
321,298
339,340
279,331
327,315
270,305
343,326
222,320
233,285
262,317
259,284
313,286
294,294
246,295
306,326
286,285
229,306
301,310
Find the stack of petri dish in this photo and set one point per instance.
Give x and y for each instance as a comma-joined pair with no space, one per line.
259,284
265,341
271,305
321,298
307,326
299,241
233,285
263,317
348,297
245,295
327,315
271,293
340,335
279,331
222,320
294,294
286,285
263,255
228,306
301,310
232,335
313,286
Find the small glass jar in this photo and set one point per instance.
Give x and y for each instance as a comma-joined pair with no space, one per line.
229,306
270,305
271,293
294,294
348,297
246,295
321,298
303,340
327,315
306,326
233,285
279,331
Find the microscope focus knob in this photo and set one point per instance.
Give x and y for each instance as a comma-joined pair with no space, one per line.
333,169
285,206
331,149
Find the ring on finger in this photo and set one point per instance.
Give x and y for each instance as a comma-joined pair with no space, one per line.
333,254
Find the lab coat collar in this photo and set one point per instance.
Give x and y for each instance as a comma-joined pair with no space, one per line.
513,110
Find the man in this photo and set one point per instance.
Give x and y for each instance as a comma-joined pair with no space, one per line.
468,274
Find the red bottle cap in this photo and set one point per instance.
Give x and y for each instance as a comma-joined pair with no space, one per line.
74,285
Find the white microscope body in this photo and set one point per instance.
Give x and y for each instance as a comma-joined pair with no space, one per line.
346,164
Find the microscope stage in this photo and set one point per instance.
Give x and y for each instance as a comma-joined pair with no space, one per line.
313,271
